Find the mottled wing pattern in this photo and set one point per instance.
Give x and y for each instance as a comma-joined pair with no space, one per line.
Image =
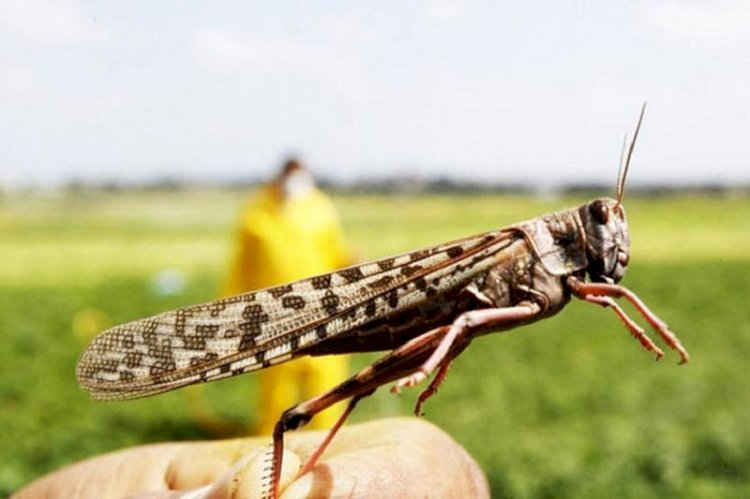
254,330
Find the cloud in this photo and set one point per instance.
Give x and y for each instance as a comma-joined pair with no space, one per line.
700,20
17,81
348,29
259,53
47,22
328,64
448,10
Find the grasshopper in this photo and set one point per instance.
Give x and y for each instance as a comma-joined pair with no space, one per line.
425,306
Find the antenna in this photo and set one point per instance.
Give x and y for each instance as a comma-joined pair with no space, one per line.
622,162
625,157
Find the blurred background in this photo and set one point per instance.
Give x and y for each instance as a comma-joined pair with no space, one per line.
133,133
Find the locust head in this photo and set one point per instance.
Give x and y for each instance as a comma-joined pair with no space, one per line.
607,239
604,225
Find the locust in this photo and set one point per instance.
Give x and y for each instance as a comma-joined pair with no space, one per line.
424,307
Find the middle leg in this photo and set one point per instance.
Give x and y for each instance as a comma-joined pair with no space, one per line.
460,330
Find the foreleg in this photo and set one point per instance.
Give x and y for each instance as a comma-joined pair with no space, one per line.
596,292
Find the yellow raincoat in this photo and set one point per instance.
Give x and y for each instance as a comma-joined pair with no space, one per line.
281,242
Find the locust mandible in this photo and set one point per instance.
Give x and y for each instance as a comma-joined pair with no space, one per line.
425,307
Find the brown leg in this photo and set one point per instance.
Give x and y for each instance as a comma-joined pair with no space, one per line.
437,380
586,290
434,385
634,328
313,458
460,328
396,364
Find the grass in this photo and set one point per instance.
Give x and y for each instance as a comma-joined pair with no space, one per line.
570,407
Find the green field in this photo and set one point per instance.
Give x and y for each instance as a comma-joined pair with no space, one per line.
571,407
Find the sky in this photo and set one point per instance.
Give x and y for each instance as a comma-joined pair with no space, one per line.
534,92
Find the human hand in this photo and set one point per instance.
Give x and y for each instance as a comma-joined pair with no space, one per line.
398,457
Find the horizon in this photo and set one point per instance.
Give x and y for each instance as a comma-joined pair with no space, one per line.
377,184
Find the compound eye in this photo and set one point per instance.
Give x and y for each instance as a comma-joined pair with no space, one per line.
600,211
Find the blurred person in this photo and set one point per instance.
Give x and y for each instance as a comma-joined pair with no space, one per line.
398,457
288,231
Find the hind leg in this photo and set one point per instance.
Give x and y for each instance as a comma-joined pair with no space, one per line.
400,362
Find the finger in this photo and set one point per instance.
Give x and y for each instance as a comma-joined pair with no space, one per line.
389,458
374,459
249,476
155,468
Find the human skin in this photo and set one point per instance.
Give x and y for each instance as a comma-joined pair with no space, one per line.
397,457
